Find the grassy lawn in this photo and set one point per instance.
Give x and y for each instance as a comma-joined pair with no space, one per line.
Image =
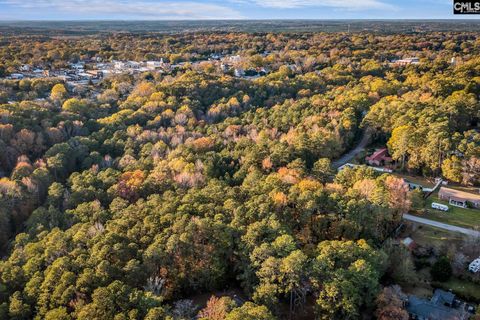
463,288
467,218
463,188
426,182
433,237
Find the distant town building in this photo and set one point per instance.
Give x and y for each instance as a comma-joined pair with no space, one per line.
132,64
459,198
118,65
16,76
406,61
475,265
239,72
78,65
235,59
215,56
155,64
224,67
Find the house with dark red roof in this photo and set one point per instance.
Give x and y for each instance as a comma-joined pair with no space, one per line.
379,158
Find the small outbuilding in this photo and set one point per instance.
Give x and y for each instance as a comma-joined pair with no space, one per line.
409,243
474,266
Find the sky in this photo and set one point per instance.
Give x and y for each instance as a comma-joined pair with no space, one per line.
224,9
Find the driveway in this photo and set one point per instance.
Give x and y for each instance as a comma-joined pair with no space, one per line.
352,153
441,225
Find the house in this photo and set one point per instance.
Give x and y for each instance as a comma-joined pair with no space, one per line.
235,59
119,65
224,67
379,158
215,56
85,75
16,76
441,306
409,243
406,61
95,73
152,65
474,265
239,72
78,65
445,298
132,64
459,198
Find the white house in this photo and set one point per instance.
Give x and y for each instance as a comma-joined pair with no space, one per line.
16,76
474,265
153,64
132,64
78,65
407,61
118,65
235,59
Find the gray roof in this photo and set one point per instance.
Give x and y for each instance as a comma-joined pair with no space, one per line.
425,309
442,297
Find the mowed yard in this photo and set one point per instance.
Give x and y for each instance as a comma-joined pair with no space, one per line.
467,218
466,289
439,239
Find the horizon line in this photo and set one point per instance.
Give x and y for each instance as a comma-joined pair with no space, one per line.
469,19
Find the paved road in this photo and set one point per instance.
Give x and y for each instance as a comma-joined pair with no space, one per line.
352,153
440,225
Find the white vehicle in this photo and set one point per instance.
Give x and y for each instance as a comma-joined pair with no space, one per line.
439,206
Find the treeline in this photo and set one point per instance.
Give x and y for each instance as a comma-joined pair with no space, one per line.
123,200
306,50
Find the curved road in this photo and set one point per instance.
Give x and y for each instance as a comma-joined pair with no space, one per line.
352,153
440,225
359,148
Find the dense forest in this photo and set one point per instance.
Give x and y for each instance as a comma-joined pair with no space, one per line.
127,198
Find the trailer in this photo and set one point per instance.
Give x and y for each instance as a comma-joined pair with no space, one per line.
439,206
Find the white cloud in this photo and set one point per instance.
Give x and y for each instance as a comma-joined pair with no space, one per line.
340,4
132,9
